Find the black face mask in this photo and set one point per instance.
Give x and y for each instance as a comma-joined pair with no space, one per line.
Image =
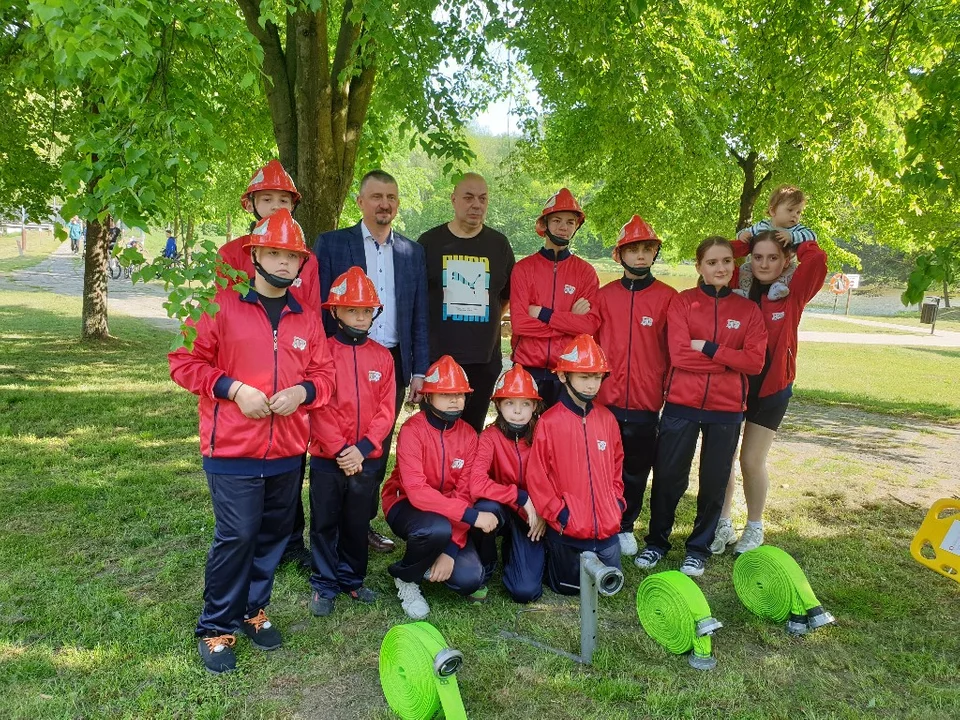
519,429
449,417
579,395
354,334
275,280
640,272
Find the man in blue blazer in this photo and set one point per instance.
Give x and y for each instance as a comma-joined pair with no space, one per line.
398,268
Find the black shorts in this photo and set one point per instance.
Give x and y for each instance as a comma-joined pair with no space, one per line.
765,413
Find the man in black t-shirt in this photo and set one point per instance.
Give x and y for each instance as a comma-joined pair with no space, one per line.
468,283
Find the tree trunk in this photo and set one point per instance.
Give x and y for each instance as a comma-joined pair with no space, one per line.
95,255
188,241
318,90
751,188
946,293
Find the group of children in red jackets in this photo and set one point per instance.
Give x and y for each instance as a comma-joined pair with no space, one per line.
562,469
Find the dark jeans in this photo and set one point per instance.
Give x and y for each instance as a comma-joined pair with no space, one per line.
671,477
482,377
548,384
563,559
339,519
427,535
253,518
523,559
639,449
381,470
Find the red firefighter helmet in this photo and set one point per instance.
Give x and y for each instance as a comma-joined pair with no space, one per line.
271,176
279,231
353,289
636,230
445,377
583,355
561,201
516,383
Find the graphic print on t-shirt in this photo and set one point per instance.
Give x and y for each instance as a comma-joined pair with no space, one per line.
466,288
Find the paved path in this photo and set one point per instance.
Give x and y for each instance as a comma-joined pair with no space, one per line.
62,273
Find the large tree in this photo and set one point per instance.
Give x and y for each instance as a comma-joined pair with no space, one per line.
691,112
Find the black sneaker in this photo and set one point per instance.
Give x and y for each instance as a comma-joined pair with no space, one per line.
693,566
217,654
364,594
261,632
320,606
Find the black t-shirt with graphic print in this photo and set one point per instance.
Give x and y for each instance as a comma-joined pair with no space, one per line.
467,279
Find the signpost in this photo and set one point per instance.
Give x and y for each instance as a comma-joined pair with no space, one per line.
840,284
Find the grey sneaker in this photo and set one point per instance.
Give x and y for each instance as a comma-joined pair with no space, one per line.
693,566
628,543
320,606
648,559
724,536
411,599
750,539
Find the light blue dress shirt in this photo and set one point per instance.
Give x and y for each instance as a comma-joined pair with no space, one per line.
380,270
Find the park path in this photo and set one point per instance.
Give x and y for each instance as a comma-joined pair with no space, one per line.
907,336
62,273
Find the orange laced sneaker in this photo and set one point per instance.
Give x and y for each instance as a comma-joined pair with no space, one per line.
217,653
261,631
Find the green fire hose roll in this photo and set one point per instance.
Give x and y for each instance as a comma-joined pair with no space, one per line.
770,584
674,612
417,673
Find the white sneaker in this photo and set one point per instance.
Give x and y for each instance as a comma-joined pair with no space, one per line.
724,536
751,539
411,599
628,543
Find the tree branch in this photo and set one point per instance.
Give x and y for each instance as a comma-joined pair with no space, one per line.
280,97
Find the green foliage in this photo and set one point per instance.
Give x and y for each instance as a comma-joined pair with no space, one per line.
941,266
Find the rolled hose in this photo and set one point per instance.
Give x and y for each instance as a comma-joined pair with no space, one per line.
674,612
417,673
770,584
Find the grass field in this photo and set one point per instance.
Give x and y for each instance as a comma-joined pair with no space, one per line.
106,524
823,323
39,246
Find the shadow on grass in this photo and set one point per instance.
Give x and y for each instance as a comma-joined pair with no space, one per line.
919,409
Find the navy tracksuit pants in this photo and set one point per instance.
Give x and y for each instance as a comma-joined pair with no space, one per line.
639,450
563,559
671,477
295,543
339,520
523,559
253,520
427,535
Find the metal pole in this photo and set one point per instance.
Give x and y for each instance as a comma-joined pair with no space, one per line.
836,299
23,230
847,311
588,610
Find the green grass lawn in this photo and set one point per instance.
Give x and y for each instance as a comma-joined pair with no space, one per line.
824,323
39,246
912,319
106,523
923,382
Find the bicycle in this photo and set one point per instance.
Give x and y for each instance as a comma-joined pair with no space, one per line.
114,269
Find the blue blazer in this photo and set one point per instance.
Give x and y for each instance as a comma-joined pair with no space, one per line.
339,250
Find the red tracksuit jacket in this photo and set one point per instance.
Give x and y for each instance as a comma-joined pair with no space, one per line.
633,335
782,317
555,285
306,288
361,409
499,469
715,379
239,343
575,476
433,472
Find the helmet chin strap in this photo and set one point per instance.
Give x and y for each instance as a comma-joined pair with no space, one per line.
579,395
446,416
275,280
353,333
640,272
